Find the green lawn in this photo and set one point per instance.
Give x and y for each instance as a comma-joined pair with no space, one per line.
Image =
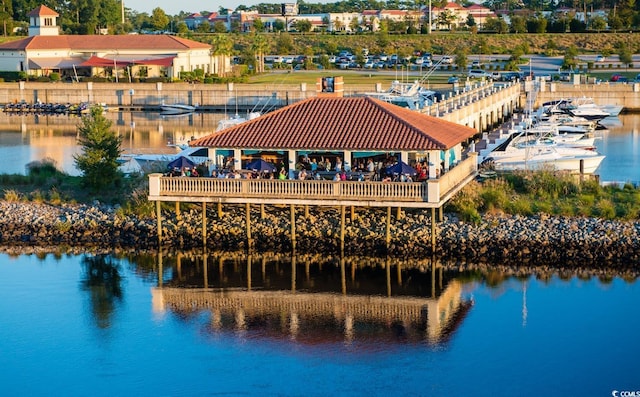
350,77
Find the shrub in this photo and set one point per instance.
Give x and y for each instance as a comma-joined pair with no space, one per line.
521,206
12,196
54,76
605,209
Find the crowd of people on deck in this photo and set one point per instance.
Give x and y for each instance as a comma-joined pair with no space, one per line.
323,168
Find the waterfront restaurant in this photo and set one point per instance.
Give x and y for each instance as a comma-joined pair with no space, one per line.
347,131
348,128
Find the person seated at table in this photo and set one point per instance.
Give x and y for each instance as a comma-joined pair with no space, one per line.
302,175
336,177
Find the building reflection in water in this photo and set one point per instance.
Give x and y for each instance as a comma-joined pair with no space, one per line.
312,298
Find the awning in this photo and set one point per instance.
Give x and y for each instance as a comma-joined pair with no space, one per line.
95,61
125,61
54,63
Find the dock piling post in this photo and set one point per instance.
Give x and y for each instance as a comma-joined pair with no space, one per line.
204,224
248,211
433,230
159,217
293,226
342,221
388,231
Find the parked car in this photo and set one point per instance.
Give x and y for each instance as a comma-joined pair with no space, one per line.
600,58
479,74
618,78
453,80
446,60
476,64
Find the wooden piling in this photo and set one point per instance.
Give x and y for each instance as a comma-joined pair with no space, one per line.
293,226
177,210
433,230
204,224
248,218
388,231
159,217
219,210
342,222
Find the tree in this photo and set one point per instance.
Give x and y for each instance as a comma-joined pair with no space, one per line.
303,25
159,20
100,151
222,47
258,25
518,24
219,27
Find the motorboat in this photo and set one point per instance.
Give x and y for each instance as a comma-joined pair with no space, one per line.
582,107
408,95
235,120
549,158
524,150
177,108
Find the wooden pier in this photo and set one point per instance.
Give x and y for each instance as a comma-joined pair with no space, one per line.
432,193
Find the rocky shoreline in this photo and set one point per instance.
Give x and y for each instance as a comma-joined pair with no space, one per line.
568,243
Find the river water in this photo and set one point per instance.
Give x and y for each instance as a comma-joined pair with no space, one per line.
189,325
28,138
77,325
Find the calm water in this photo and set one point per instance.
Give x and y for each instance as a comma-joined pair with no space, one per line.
84,325
31,138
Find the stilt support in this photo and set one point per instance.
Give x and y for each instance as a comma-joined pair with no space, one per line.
219,210
177,210
353,213
433,230
261,211
204,224
342,222
159,218
388,232
440,214
306,211
293,226
248,211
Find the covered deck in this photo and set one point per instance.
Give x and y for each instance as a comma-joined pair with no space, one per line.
432,193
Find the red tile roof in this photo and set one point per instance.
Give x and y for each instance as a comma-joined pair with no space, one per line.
42,11
104,42
349,123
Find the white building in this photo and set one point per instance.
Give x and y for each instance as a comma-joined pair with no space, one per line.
46,51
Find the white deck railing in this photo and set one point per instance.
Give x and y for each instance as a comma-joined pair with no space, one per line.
186,188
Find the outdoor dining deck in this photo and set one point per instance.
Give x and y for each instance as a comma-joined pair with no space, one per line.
432,193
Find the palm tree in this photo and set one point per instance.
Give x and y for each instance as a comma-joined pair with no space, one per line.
222,47
258,48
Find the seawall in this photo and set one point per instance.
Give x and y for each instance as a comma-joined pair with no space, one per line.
501,240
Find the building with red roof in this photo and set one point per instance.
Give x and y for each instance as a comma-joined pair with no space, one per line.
46,51
350,128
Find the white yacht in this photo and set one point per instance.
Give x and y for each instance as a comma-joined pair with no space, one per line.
235,120
177,108
524,150
408,95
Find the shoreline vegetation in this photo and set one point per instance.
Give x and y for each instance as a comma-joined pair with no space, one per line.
534,220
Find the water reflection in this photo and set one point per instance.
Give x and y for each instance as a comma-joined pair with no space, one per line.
312,298
26,138
102,279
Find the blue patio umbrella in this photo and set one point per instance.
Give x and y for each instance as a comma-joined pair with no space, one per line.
261,165
181,162
401,168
